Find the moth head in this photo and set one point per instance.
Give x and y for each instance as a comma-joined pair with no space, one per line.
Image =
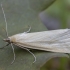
7,40
10,39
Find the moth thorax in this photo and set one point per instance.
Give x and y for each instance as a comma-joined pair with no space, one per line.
12,39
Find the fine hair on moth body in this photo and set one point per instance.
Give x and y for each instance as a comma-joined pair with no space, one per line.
8,40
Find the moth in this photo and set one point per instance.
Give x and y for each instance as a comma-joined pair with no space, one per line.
52,40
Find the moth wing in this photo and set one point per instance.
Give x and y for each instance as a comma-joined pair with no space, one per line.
55,41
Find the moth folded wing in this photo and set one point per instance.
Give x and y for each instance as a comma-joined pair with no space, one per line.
46,40
59,44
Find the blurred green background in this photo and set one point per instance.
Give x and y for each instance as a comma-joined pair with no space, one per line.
40,15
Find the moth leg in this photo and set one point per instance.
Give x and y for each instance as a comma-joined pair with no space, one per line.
31,53
13,53
28,30
4,46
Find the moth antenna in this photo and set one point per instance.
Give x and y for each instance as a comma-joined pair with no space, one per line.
32,54
13,53
5,19
2,36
